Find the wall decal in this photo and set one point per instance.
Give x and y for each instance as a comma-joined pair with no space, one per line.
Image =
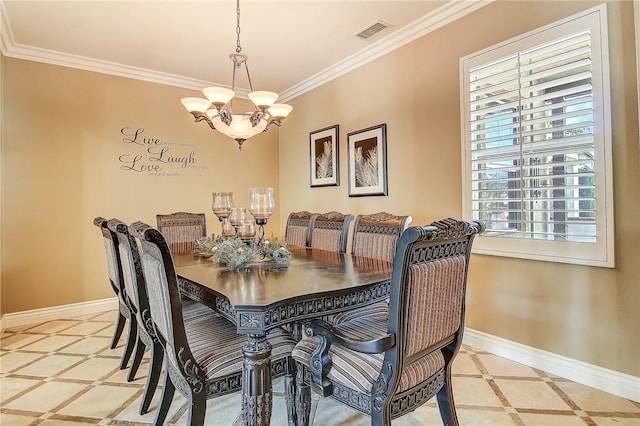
155,156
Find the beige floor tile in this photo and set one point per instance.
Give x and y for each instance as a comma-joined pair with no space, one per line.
99,401
463,364
52,326
46,397
51,343
12,361
12,386
90,369
108,332
89,345
472,417
551,420
616,421
49,365
474,392
13,420
17,341
86,328
530,394
109,316
54,422
590,399
497,366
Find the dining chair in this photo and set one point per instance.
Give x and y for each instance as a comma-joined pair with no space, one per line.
114,268
181,230
297,230
376,235
203,354
329,231
387,368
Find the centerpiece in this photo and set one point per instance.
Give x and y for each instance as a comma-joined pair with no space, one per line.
235,252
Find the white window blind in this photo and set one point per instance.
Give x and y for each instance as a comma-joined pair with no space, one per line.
537,146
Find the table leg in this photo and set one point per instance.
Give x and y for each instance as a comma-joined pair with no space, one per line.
257,394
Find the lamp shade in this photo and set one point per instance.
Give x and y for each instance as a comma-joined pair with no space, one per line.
195,104
218,96
263,99
280,111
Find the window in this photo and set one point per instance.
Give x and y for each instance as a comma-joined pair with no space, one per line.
537,144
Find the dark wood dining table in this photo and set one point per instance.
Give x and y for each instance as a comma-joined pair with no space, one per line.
262,297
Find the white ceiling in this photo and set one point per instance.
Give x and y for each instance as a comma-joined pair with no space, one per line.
293,45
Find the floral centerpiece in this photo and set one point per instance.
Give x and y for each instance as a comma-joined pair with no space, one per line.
233,252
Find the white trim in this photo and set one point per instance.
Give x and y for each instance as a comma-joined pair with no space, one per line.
428,23
35,316
613,382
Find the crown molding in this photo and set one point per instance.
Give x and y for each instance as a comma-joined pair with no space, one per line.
448,13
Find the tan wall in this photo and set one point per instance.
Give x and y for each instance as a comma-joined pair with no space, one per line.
61,166
1,185
585,313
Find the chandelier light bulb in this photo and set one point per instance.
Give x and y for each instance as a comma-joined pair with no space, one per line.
219,96
280,111
195,104
263,99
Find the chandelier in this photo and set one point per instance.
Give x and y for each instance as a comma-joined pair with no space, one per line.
239,126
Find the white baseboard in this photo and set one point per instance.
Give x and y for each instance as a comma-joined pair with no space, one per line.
620,384
616,383
35,316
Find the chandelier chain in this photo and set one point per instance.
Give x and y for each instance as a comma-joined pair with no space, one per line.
238,47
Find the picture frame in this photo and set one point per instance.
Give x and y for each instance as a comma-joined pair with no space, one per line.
324,156
367,159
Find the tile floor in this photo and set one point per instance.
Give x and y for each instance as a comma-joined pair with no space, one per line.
63,373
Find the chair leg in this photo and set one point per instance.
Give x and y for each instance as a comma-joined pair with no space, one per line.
165,402
198,408
303,397
131,342
117,332
137,359
153,375
290,391
445,401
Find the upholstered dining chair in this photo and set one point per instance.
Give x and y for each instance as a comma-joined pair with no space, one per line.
181,230
203,354
114,268
329,231
376,235
386,368
297,230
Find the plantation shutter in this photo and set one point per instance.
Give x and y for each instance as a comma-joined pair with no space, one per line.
532,143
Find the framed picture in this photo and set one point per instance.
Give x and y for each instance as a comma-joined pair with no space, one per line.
324,158
367,151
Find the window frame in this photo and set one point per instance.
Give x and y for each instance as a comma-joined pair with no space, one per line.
601,252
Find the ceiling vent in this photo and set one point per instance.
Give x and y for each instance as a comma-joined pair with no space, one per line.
372,30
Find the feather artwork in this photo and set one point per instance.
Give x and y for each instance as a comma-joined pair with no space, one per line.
366,167
324,162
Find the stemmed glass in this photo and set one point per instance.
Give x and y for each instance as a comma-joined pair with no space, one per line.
222,203
261,206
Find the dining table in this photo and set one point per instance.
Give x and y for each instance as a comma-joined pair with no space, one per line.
266,295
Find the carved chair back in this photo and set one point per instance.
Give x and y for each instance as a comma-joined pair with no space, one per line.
114,267
181,230
329,231
297,231
376,235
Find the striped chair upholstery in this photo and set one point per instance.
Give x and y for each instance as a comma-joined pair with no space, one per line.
376,235
116,280
203,352
386,367
181,230
297,228
329,231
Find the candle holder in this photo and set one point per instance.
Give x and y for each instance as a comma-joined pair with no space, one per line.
238,214
222,203
247,230
261,207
